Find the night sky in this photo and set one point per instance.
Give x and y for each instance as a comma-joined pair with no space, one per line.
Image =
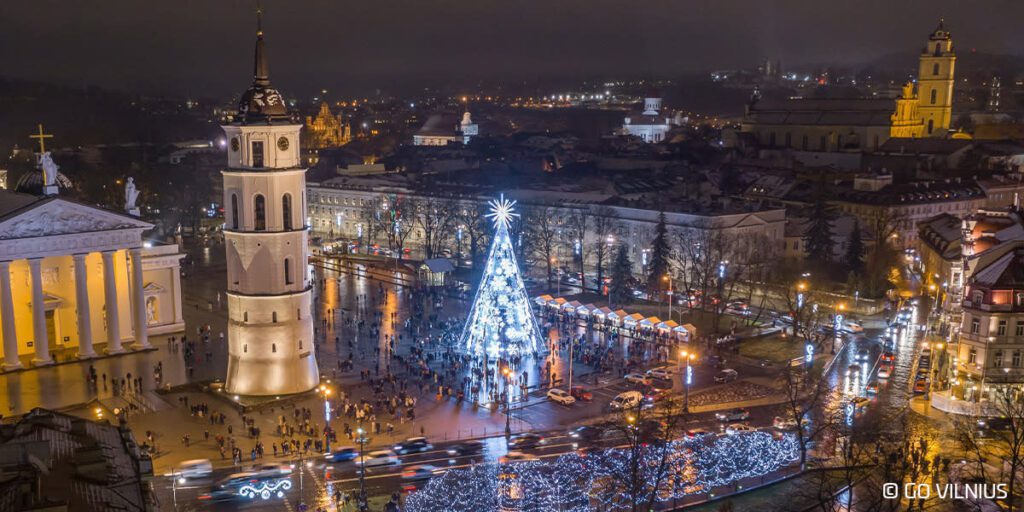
204,47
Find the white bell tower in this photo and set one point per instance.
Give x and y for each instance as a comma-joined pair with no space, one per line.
270,325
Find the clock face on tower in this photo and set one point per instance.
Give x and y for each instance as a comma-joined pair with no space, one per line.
282,143
234,144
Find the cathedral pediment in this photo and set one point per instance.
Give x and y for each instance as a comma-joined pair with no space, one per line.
53,216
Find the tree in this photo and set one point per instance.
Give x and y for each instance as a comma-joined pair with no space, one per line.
577,223
854,258
435,218
472,219
660,254
818,237
541,230
621,287
605,224
997,455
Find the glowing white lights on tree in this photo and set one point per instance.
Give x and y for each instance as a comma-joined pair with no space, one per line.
501,321
601,480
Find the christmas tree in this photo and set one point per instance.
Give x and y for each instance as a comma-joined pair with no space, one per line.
501,322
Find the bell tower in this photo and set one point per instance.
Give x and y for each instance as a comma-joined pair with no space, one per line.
935,82
270,326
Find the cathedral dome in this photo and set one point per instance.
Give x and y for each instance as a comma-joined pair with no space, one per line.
262,103
32,182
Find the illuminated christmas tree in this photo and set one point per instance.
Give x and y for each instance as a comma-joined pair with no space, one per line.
501,321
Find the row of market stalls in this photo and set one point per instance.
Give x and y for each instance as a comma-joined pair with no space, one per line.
620,318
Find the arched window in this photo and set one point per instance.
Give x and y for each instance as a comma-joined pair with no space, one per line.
260,212
234,211
286,211
245,316
935,68
934,95
273,317
273,347
938,49
288,271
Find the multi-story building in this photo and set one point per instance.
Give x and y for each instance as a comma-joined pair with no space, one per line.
348,208
990,352
326,130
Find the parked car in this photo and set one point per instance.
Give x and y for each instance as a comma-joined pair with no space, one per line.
920,386
784,423
343,454
198,468
377,458
466,448
525,441
636,378
515,456
726,375
733,415
421,472
560,396
660,373
413,445
871,388
626,400
859,402
737,428
581,393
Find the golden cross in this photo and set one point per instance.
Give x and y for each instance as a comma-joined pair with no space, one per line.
42,139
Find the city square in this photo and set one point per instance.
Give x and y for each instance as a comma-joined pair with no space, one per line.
765,288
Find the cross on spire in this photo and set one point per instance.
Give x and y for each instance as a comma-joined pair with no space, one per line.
42,138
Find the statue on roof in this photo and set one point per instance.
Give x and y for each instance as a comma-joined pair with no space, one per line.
131,194
49,168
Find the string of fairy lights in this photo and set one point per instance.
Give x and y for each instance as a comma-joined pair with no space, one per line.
575,482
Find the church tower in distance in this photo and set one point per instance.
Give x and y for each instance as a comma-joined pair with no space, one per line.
270,327
935,82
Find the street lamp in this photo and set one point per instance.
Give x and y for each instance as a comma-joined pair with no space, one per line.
687,356
362,469
508,401
326,392
668,278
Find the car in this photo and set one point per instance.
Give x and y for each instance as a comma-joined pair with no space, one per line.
853,368
884,371
412,445
726,375
636,378
525,441
697,432
863,354
198,468
421,472
377,458
586,433
581,393
626,400
786,423
853,327
871,388
859,402
661,373
466,448
920,386
515,456
272,470
343,454
737,428
733,415
888,356
227,488
560,396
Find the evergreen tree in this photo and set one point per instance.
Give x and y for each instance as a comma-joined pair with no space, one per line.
660,253
854,258
818,237
621,287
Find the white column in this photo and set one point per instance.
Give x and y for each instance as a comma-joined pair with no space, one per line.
41,340
85,349
110,296
176,289
10,334
139,300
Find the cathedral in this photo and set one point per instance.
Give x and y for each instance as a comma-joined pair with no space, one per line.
326,130
862,124
270,323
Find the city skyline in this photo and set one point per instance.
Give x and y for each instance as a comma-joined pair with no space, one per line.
357,48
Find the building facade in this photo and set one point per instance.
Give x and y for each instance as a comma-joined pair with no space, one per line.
650,125
935,82
270,325
73,276
326,130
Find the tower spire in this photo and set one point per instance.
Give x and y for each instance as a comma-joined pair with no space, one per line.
261,71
